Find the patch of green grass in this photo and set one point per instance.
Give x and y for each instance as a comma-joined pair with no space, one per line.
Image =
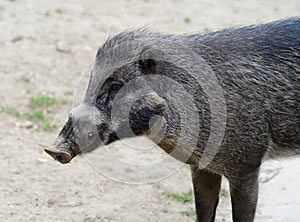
38,104
40,117
223,192
187,20
47,125
188,213
58,10
64,101
181,196
205,29
12,111
37,113
25,79
43,100
128,170
36,116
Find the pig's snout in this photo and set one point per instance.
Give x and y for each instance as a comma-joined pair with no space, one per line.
61,156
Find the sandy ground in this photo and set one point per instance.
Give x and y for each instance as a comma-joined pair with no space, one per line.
34,187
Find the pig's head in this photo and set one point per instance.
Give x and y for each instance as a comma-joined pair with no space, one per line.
122,99
148,84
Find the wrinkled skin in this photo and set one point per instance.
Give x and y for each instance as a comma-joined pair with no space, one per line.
258,68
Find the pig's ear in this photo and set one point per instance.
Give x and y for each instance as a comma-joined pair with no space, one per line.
151,60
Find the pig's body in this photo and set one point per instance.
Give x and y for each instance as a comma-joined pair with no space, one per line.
258,68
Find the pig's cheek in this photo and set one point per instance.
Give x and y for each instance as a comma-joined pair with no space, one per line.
94,141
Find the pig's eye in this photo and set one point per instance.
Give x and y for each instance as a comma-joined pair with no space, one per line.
114,89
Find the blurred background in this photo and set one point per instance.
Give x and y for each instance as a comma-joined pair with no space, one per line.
45,47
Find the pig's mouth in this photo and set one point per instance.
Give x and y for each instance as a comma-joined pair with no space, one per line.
63,156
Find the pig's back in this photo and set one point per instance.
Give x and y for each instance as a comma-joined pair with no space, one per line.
259,70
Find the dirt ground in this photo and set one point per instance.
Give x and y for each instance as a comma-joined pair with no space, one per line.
45,47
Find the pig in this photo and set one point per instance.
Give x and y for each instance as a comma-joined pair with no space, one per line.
254,106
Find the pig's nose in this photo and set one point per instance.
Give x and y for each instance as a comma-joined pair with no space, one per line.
62,157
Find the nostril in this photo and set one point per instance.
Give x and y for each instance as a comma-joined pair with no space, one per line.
59,157
63,157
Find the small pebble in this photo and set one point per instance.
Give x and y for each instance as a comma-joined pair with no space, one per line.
50,202
62,47
88,48
41,160
17,38
27,125
16,171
